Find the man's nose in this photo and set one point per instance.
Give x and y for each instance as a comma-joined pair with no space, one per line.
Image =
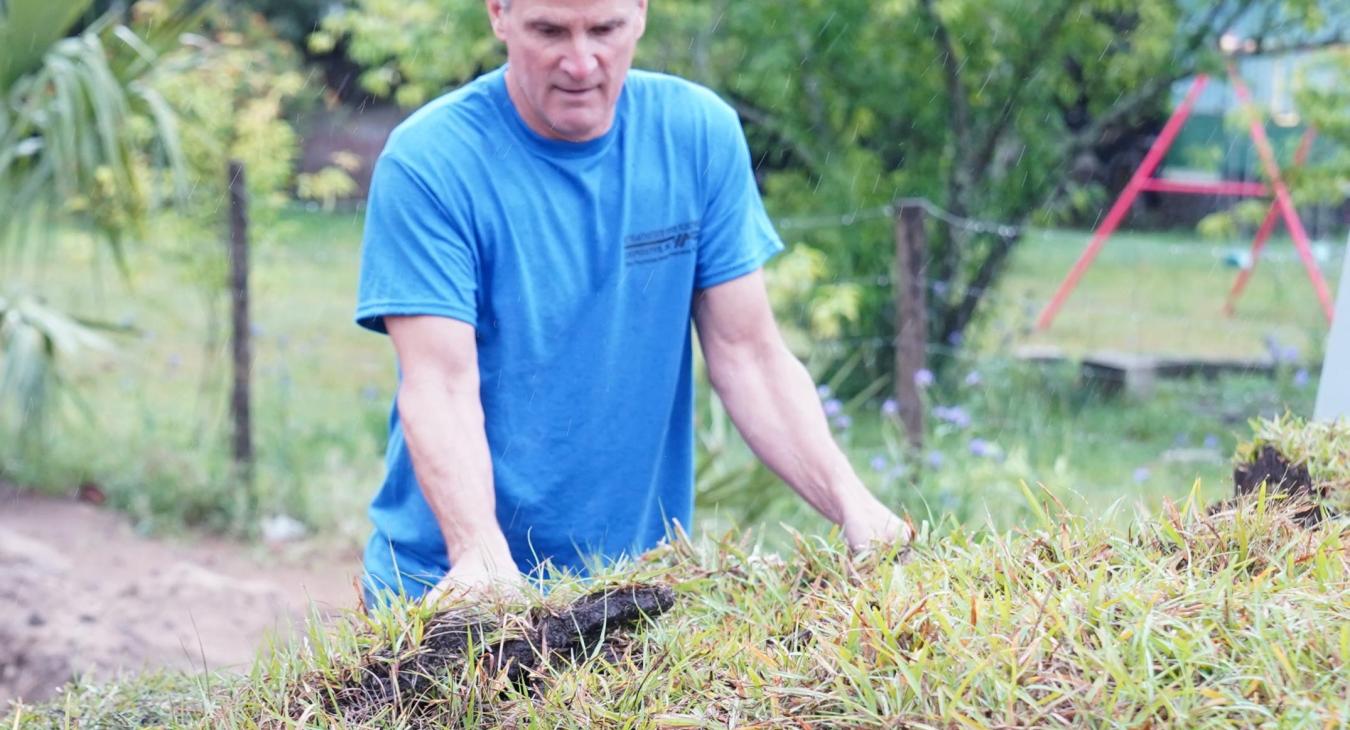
580,60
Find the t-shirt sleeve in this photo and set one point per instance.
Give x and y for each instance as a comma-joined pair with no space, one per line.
736,236
417,254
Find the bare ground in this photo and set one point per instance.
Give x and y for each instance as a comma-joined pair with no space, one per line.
82,593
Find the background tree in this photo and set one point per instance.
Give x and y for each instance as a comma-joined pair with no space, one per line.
984,108
1325,105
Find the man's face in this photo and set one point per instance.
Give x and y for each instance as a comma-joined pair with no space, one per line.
568,60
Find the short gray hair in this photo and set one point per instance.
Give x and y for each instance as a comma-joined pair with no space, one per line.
506,4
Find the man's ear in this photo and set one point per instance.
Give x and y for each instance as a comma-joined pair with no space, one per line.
495,12
642,18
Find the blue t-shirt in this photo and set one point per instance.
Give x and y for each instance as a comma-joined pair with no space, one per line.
577,264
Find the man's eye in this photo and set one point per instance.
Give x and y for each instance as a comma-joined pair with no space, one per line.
549,32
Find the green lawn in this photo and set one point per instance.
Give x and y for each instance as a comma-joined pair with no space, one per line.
151,431
1164,294
154,432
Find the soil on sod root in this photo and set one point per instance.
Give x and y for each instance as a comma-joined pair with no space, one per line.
1292,481
456,640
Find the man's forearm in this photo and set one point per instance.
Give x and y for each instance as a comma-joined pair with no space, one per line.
773,402
443,425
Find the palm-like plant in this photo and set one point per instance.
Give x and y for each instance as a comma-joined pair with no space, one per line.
80,128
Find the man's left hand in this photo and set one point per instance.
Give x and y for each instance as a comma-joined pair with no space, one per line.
869,524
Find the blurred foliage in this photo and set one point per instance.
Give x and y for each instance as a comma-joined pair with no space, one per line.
237,89
1325,105
982,107
331,183
293,20
81,126
234,89
412,49
811,306
79,120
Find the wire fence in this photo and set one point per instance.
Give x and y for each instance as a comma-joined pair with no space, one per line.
1020,307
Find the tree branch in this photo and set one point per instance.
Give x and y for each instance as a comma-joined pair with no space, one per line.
770,123
944,263
956,319
811,88
1190,62
1022,77
1340,38
951,68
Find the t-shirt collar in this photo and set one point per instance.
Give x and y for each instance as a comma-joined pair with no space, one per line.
547,146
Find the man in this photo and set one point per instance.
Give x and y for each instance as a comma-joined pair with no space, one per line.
535,245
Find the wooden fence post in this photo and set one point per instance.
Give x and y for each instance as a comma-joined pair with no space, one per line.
911,316
240,346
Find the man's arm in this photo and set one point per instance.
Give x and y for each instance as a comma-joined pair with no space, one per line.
772,400
442,417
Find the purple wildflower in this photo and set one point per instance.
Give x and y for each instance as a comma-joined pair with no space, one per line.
1301,378
1211,441
955,339
833,407
980,447
890,407
879,464
923,378
843,422
955,415
824,391
935,459
1141,475
973,378
1282,354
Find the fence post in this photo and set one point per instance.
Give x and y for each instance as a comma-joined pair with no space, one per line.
240,346
911,316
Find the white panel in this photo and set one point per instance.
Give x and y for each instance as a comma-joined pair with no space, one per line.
1333,395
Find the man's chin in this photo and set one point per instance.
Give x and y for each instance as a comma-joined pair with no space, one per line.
576,130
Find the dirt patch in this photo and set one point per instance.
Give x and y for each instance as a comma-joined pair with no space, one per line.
1273,469
526,644
1283,478
82,594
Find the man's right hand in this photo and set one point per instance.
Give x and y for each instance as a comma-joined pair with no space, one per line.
441,411
478,576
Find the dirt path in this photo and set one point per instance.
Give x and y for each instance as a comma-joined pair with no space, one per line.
81,592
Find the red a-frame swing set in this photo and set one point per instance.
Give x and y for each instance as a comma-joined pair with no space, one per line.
1281,207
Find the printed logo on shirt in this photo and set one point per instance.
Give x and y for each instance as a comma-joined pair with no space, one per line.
653,246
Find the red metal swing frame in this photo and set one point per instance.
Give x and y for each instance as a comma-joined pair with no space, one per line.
1282,206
